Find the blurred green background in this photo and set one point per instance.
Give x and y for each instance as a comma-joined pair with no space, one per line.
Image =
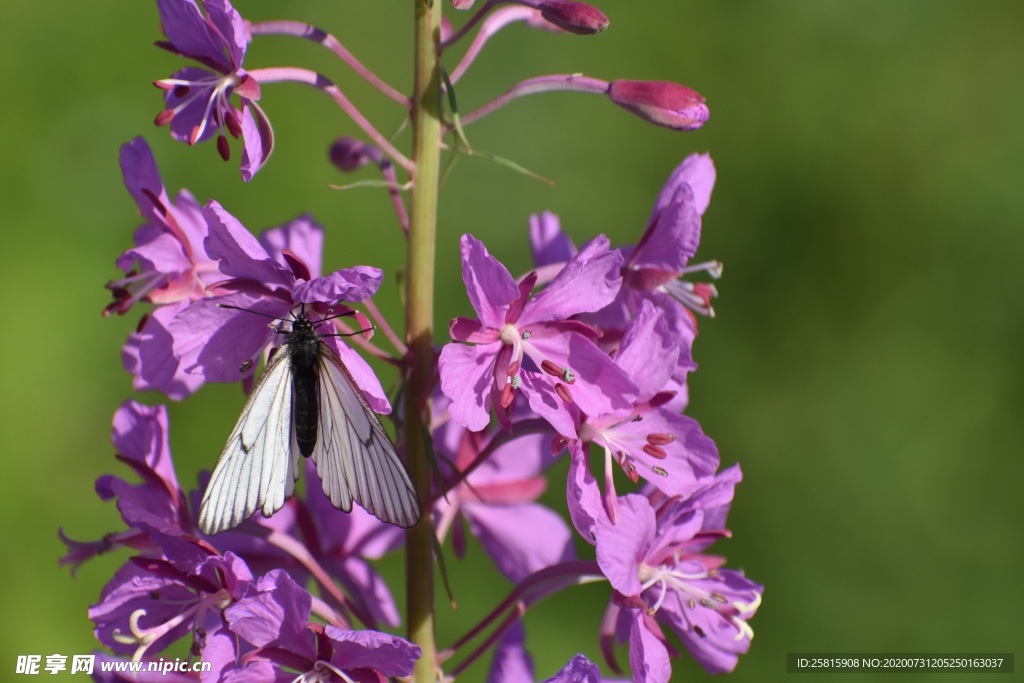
865,366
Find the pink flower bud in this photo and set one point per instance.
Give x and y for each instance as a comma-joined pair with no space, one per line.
574,17
462,4
664,103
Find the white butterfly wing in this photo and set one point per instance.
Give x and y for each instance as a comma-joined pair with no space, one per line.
260,462
354,456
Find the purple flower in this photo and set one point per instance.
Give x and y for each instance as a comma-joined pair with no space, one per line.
663,254
524,342
140,436
655,442
157,511
157,504
498,498
168,267
653,559
513,664
151,603
578,670
270,277
275,618
655,269
198,100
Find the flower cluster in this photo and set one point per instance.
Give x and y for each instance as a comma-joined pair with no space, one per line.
597,359
238,597
588,354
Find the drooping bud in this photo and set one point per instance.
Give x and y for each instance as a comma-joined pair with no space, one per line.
348,154
662,102
574,17
463,4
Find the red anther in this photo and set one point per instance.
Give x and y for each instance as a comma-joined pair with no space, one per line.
181,91
631,472
163,86
223,148
660,439
552,369
506,396
513,368
661,398
164,117
194,135
655,451
563,392
232,124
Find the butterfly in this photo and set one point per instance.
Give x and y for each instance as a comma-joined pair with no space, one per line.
306,403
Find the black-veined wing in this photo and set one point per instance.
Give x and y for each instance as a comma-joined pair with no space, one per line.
260,462
354,456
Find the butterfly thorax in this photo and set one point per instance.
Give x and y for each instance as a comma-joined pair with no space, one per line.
304,353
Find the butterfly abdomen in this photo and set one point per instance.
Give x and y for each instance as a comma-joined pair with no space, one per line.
304,351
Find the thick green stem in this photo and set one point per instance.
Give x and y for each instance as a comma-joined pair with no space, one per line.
426,130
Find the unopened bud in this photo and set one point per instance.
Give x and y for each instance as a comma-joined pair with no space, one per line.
348,154
574,17
662,102
463,4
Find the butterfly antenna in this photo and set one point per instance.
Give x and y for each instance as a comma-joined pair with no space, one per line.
249,310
